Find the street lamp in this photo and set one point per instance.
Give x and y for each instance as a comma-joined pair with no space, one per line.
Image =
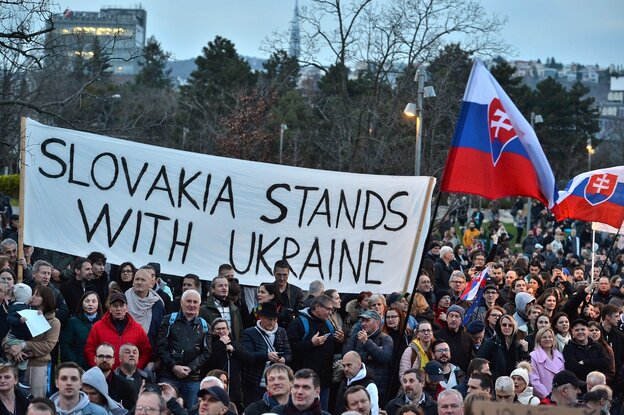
283,127
590,151
535,119
415,110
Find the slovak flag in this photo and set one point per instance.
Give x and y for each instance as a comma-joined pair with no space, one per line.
495,152
477,283
595,196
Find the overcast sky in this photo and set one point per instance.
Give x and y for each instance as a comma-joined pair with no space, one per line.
582,31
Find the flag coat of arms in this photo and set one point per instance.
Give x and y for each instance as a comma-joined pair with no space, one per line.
595,196
495,152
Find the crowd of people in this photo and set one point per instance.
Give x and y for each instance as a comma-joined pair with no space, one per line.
546,329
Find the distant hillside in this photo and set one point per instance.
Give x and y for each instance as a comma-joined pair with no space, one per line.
181,70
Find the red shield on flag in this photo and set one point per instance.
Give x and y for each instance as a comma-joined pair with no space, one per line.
600,188
501,129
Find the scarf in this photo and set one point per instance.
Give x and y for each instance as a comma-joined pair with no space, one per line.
141,308
91,317
561,341
417,348
268,334
314,409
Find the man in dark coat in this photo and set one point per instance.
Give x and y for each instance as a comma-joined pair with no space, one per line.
582,355
456,336
413,394
313,344
290,295
375,349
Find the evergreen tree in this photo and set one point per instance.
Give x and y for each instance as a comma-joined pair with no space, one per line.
153,73
282,71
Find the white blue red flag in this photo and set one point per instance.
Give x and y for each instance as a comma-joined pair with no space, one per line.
472,288
595,196
495,152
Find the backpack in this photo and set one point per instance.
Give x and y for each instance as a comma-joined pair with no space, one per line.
306,326
174,315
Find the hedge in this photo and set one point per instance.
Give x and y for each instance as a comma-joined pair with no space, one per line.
9,185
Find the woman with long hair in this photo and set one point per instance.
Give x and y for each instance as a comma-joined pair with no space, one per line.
74,335
491,318
124,277
535,286
336,316
546,362
541,322
419,352
505,349
354,308
267,293
595,333
460,256
560,324
394,319
420,308
550,301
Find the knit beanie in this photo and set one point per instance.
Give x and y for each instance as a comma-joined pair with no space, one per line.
521,371
457,309
22,293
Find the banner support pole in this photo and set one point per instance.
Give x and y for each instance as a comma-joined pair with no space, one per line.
22,180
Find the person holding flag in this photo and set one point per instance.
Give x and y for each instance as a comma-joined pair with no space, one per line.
495,143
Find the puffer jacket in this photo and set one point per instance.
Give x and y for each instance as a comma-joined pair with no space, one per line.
527,397
185,343
74,338
105,331
502,360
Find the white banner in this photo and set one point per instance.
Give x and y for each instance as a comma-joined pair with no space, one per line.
192,212
603,227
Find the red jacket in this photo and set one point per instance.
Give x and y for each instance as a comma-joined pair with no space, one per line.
104,331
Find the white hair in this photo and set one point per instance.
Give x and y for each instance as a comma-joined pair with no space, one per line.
504,384
190,292
211,379
445,250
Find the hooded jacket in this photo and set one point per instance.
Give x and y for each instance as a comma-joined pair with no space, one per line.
95,378
527,397
522,299
363,378
83,407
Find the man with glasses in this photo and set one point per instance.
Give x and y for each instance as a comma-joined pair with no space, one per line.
456,336
375,348
104,358
458,285
70,399
313,343
150,403
490,297
453,375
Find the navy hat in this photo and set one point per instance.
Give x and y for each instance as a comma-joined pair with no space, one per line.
216,392
490,287
434,371
475,327
370,314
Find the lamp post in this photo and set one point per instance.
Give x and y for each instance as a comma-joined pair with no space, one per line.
590,151
535,119
415,110
283,127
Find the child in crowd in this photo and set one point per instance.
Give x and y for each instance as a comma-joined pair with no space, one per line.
18,331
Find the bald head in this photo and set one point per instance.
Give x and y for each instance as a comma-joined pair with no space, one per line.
352,363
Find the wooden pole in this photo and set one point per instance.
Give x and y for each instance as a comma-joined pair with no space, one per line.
22,164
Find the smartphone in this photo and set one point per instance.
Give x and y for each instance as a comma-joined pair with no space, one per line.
280,354
327,334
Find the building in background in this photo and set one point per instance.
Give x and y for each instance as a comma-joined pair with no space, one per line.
119,34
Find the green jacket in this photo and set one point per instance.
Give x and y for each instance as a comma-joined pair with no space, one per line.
210,312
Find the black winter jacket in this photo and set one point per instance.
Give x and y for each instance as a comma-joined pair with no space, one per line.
183,343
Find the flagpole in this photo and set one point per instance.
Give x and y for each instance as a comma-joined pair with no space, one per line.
403,329
604,264
593,250
22,180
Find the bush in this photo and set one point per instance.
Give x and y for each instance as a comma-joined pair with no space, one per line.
9,185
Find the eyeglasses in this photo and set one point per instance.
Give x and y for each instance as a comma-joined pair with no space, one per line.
456,282
104,356
146,410
442,350
328,308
